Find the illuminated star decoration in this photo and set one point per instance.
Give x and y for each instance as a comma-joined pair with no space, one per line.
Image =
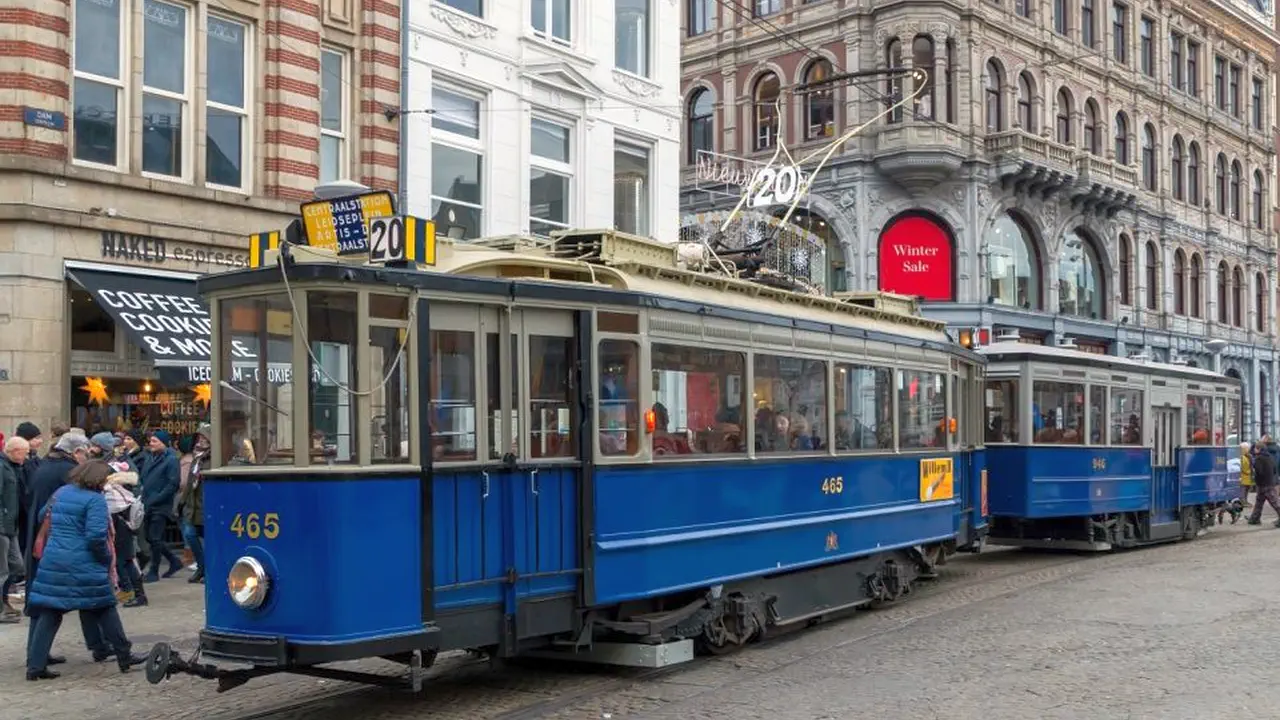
202,393
97,390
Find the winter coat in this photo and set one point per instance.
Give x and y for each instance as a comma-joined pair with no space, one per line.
51,476
10,496
119,495
1264,470
160,478
75,570
192,502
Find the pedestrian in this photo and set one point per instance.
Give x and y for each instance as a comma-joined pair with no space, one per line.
16,450
126,517
160,477
191,505
75,548
31,433
1264,479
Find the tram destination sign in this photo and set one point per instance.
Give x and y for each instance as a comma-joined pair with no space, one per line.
341,224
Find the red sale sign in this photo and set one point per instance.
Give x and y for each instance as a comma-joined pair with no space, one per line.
916,257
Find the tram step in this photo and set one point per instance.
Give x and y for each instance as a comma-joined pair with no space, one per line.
625,654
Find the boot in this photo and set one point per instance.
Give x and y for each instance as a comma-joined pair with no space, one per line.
139,600
45,674
127,661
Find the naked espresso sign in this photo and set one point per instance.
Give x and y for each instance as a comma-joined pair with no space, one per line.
916,257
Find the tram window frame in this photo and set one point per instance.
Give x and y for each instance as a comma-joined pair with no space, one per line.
1219,433
322,329
1194,426
635,443
718,427
889,421
1233,417
1012,400
465,318
899,409
441,437
225,443
810,368
1117,426
1036,437
1097,411
536,435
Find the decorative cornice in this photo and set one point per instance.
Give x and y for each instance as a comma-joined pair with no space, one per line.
463,24
637,86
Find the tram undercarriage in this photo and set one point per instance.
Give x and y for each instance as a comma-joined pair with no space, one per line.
1101,533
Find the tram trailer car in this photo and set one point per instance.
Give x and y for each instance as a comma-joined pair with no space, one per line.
676,459
1093,452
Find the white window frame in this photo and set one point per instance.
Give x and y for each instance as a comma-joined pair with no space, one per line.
646,48
194,18
123,104
344,112
620,142
451,6
564,169
765,8
462,142
548,35
246,126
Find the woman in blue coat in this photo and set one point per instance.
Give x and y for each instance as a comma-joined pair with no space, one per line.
75,570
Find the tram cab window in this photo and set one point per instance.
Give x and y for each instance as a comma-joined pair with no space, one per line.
389,403
551,412
1057,413
1126,416
452,411
1097,415
922,410
698,401
1219,420
1002,421
331,331
864,408
1233,421
255,347
790,404
618,409
1199,420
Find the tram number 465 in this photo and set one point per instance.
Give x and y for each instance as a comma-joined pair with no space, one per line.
256,526
833,485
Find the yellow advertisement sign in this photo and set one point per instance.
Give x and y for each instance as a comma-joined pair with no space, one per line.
937,479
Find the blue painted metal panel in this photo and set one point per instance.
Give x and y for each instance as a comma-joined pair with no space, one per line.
468,532
1048,481
660,529
977,463
1165,499
1205,479
313,560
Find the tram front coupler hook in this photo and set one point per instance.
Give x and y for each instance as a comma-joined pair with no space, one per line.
163,662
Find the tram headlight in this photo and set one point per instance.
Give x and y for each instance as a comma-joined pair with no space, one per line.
248,583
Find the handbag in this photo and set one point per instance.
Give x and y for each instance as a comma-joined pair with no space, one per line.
42,537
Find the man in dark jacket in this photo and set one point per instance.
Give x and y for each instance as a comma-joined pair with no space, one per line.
15,454
29,432
1264,478
160,476
191,504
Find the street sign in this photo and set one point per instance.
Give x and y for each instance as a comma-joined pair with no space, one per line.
341,223
403,238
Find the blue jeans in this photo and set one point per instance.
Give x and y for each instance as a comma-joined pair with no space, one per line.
40,633
193,536
155,523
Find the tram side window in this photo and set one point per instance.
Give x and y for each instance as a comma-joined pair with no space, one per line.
1126,417
452,390
864,408
1233,420
922,410
791,404
699,397
1199,420
390,403
499,448
618,409
331,331
1002,422
1057,412
256,350
1097,415
551,411
1219,420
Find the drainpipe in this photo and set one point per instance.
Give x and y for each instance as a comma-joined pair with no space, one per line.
402,185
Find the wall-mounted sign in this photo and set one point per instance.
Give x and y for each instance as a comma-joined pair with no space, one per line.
158,251
342,223
48,119
4,374
916,256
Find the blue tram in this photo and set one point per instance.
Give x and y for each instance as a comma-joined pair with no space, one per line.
595,447
1093,452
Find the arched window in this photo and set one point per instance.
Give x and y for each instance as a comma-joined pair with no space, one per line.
1122,139
1259,192
1235,189
1080,287
1091,142
1220,182
1237,298
819,104
818,225
1223,281
1193,175
893,86
1026,99
1196,282
765,94
1180,282
1153,277
1150,171
1126,271
1260,302
1176,169
922,57
992,81
701,123
1013,265
1062,109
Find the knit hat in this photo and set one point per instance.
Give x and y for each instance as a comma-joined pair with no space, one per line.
162,436
60,429
104,440
28,431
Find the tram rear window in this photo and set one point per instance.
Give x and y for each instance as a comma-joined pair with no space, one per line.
1001,424
1057,412
698,403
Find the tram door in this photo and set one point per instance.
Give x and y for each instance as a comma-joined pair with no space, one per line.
1166,487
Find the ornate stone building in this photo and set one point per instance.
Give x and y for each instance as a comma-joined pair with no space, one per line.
1093,171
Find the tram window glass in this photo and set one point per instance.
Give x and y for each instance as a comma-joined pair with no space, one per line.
389,307
1057,412
1233,419
1219,420
618,412
922,410
1002,424
331,330
256,348
453,396
790,397
551,420
390,403
1199,421
1097,415
700,393
1126,416
498,446
864,408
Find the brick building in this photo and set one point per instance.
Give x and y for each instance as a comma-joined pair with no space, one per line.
141,142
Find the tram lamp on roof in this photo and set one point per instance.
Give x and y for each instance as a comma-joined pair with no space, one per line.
973,338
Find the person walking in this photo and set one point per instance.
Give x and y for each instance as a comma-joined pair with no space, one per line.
160,479
31,433
77,569
127,518
1264,478
16,450
191,504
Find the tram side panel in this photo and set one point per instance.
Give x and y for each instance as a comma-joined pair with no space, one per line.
971,520
1203,476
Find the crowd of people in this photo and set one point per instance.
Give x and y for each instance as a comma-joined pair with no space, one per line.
80,524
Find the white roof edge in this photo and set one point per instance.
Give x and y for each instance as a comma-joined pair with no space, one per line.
1051,352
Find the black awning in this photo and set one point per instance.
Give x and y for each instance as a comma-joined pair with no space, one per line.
162,315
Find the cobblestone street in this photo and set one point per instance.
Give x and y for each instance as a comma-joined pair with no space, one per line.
1165,632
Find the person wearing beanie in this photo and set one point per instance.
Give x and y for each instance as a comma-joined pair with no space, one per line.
29,432
160,477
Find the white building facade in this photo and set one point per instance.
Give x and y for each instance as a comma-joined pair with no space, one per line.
528,116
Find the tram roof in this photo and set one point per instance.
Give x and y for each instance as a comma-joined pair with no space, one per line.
1017,351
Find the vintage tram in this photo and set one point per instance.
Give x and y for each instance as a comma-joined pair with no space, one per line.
1093,452
599,446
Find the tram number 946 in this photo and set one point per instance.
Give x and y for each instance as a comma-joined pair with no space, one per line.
256,526
833,485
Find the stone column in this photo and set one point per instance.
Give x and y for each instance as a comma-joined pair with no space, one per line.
729,109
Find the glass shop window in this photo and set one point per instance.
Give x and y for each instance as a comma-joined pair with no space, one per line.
864,408
699,396
331,331
255,345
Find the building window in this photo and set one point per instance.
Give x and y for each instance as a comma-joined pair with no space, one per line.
631,36
550,176
1220,82
457,164
992,79
99,82
165,89
1193,174
226,105
701,123
922,57
893,86
1179,283
1119,33
1259,112
1150,169
1175,60
699,16
1223,281
1233,91
1148,49
1193,69
1080,290
1126,271
1060,19
551,21
1235,189
1062,106
92,329
1091,141
951,80
1022,8
1237,298
1220,182
1122,139
766,111
470,7
1153,277
1176,169
1197,282
1026,117
1087,37
1013,265
1260,302
333,116
819,103
765,8
1259,192
631,188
